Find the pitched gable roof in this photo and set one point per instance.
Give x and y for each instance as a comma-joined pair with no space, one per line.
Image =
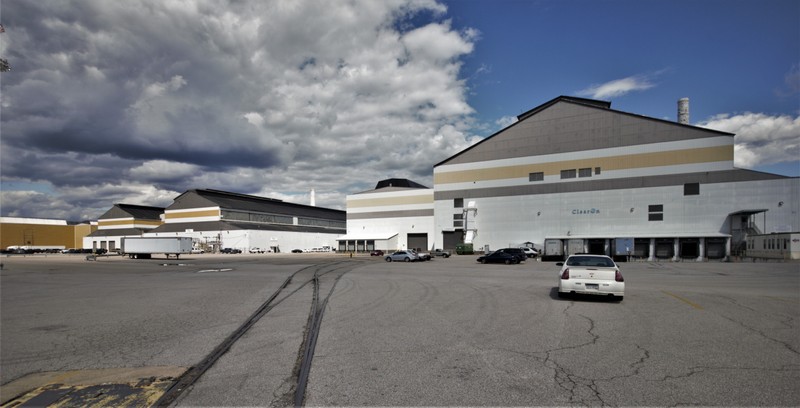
138,212
197,198
568,124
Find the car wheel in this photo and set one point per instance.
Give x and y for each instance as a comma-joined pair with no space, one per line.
483,261
407,259
508,261
563,295
619,298
388,259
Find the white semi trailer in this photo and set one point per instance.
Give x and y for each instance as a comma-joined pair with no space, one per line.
145,247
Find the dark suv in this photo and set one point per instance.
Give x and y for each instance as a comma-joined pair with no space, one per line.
517,252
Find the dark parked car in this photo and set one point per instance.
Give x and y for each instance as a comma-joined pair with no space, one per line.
297,251
231,251
376,252
499,257
517,252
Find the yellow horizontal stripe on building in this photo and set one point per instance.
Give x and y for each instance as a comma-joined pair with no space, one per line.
191,214
102,223
387,201
622,162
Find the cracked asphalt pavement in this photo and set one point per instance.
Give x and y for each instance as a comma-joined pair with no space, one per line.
450,332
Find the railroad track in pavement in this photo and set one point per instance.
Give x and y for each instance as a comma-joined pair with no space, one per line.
321,276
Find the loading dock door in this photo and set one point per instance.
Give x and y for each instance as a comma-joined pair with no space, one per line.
690,248
418,241
451,239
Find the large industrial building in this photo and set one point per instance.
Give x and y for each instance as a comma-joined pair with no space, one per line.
219,219
38,234
573,175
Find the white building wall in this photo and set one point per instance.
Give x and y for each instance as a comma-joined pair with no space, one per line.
392,203
286,241
402,226
624,213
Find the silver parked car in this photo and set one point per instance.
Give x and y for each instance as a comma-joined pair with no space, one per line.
405,256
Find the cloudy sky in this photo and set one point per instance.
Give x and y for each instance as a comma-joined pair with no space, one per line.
137,101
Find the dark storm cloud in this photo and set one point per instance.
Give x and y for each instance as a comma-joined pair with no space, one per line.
260,97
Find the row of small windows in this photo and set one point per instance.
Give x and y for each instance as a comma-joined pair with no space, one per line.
584,172
257,217
566,174
688,188
280,219
771,243
315,222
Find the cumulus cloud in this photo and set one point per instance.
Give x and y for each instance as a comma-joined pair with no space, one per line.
259,97
618,87
760,139
506,121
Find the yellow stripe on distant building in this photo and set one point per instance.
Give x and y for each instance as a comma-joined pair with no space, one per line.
191,214
622,162
102,223
390,201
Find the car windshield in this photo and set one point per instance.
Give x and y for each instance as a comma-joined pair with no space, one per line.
590,261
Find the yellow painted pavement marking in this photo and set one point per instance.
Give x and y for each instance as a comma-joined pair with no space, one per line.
684,300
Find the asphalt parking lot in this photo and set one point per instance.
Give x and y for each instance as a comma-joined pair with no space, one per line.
440,333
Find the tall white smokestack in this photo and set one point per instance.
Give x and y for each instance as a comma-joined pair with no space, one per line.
313,198
683,111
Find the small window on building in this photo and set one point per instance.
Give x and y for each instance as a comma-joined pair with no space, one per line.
538,176
587,172
568,174
458,202
691,189
458,216
596,171
655,212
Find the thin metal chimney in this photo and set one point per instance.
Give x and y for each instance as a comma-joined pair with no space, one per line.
683,111
313,198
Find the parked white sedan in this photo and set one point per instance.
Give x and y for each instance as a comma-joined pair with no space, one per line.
590,274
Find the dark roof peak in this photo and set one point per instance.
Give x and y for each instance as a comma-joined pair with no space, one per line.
398,182
574,99
230,194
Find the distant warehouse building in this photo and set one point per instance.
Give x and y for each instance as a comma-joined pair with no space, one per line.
123,220
218,219
574,175
38,234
